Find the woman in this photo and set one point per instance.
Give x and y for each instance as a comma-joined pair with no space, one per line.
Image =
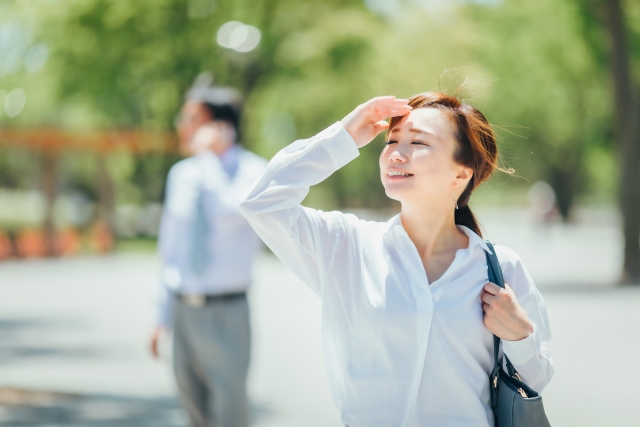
407,314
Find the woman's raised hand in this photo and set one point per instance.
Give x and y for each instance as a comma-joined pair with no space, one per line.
369,119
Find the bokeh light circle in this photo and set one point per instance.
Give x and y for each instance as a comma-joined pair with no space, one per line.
14,102
238,36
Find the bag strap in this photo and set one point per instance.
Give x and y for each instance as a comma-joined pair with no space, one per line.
495,276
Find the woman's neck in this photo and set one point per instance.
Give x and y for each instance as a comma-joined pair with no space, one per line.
432,229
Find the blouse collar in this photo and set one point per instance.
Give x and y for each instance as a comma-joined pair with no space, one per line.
474,239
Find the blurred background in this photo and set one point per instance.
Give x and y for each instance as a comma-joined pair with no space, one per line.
89,94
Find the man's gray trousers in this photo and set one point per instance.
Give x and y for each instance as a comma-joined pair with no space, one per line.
211,347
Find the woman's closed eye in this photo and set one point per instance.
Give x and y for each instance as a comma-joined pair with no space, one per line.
392,141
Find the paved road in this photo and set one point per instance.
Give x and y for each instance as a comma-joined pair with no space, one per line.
80,326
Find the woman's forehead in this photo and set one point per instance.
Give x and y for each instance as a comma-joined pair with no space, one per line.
429,119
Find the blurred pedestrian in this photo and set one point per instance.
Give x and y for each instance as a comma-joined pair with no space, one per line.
542,200
207,250
408,313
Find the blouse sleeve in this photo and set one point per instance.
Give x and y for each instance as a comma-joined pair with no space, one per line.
304,239
530,356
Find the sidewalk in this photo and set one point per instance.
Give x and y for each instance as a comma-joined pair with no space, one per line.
81,326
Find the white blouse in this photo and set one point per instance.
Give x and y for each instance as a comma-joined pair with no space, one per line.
399,351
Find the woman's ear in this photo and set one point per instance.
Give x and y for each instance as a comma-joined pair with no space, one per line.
464,173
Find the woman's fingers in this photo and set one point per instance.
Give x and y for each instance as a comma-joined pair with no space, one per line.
384,107
381,126
400,111
387,100
380,99
488,298
366,121
492,288
391,112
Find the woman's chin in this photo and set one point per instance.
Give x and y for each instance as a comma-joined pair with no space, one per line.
394,194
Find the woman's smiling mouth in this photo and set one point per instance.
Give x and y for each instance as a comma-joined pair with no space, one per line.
398,174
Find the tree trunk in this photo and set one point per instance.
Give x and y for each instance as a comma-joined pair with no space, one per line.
628,140
106,202
563,183
565,179
49,184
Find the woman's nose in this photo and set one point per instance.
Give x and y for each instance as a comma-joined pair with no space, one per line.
397,156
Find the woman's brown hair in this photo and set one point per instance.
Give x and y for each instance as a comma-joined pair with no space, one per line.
477,148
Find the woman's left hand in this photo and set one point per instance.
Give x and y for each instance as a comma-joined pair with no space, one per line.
369,119
503,314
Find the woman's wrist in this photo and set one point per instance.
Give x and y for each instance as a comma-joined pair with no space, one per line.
339,144
350,132
526,329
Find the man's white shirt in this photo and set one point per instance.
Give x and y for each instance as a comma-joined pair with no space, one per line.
399,351
207,187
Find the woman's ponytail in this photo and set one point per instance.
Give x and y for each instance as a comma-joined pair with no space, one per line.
463,215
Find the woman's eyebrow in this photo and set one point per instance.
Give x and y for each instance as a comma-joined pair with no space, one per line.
414,130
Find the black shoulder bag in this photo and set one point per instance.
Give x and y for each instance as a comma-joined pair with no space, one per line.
514,403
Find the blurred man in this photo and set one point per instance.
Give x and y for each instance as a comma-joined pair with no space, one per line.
207,248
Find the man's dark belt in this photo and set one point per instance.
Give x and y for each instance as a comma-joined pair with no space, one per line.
196,300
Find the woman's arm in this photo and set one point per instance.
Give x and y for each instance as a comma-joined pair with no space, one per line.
306,239
518,315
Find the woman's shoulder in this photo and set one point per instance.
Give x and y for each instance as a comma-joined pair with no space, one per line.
506,255
514,271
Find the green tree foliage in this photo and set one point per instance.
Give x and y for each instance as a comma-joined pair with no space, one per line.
540,67
549,82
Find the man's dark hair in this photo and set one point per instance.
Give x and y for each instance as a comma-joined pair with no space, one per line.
224,112
223,103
